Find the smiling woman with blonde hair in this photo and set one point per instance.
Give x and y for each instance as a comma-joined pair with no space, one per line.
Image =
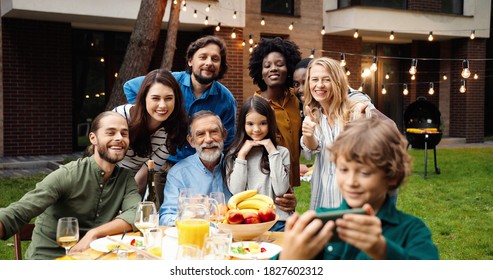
328,108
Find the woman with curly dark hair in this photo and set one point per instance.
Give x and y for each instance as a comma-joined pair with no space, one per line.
271,66
157,124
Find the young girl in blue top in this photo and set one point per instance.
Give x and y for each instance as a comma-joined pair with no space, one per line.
371,160
254,160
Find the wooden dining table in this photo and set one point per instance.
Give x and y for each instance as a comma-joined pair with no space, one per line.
270,237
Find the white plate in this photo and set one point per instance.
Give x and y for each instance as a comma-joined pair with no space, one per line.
270,250
173,231
101,244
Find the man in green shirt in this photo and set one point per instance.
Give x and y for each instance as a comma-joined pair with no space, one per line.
102,196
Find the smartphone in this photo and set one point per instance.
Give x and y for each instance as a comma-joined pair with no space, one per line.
334,215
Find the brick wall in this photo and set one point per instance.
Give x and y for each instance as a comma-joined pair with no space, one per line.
37,70
467,109
430,6
347,45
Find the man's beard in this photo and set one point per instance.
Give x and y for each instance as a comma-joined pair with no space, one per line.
210,157
204,80
103,153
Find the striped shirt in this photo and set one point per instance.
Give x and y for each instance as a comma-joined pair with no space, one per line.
158,140
325,191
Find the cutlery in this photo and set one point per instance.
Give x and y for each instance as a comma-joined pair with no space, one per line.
114,249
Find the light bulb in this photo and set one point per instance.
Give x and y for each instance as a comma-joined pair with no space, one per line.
414,65
387,76
430,37
243,43
195,13
405,91
391,36
233,34
365,73
312,53
356,35
250,40
291,26
413,77
466,73
343,60
206,21
262,22
250,49
462,88
476,76
473,34
431,90
384,91
184,7
218,27
175,2
373,66
323,30
208,8
234,15
347,71
361,87
444,77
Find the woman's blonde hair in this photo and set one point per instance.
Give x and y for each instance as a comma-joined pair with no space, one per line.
339,103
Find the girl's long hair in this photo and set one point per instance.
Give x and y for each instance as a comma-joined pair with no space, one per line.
176,124
261,106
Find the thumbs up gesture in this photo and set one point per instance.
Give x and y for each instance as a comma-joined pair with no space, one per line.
358,111
308,127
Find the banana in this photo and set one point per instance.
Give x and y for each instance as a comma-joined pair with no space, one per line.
248,210
265,198
239,197
252,204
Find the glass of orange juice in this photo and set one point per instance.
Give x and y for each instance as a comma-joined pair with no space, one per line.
193,224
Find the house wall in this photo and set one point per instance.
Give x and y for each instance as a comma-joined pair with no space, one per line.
37,84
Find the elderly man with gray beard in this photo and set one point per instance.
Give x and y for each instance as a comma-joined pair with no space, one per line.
201,171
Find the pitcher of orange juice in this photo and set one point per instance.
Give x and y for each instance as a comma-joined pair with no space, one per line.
193,224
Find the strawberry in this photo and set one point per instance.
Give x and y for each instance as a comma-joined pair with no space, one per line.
262,250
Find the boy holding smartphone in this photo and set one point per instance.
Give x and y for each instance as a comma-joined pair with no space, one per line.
371,160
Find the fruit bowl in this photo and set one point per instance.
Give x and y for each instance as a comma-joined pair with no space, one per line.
248,231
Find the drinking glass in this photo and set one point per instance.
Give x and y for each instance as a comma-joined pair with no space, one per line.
146,217
215,248
188,252
154,241
184,193
219,215
67,232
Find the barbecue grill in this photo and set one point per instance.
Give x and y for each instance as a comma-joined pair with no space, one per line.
422,125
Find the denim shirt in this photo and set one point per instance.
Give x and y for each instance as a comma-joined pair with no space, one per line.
189,173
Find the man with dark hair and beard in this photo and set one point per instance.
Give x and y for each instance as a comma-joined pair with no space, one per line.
102,196
202,171
206,64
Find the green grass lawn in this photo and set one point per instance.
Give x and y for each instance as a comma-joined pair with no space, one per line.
457,204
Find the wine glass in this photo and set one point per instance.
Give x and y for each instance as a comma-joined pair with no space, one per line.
146,217
67,232
220,213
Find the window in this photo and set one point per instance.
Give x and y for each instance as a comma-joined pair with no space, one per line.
453,7
283,7
393,4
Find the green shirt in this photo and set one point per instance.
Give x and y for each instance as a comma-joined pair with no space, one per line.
408,238
76,189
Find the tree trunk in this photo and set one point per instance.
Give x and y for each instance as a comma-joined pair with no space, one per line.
140,49
170,45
